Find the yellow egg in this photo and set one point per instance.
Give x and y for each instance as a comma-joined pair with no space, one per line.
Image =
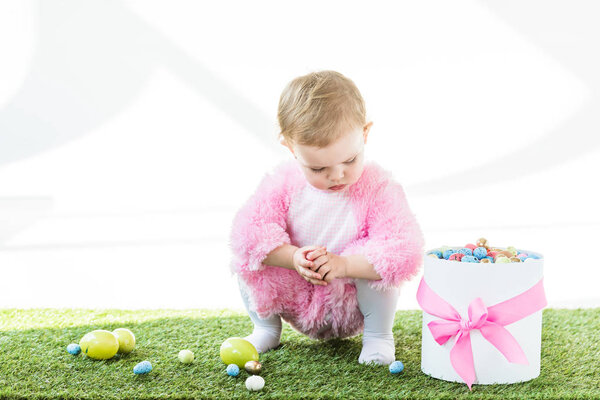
502,260
238,351
99,344
126,340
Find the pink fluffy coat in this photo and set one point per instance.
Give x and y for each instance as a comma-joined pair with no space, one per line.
389,238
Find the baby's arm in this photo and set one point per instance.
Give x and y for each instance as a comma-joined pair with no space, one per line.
259,227
394,242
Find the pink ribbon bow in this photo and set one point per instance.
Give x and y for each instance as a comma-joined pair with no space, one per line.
489,320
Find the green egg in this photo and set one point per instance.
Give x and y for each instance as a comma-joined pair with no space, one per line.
238,351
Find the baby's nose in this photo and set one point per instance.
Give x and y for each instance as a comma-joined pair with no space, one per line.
336,175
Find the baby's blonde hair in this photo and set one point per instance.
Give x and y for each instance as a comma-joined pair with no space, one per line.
316,109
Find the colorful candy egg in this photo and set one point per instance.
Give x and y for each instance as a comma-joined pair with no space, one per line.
480,252
448,253
466,251
456,257
233,370
396,367
142,368
236,350
470,259
74,349
253,367
99,344
470,246
126,340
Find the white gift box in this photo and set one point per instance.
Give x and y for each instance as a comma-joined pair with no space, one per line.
459,283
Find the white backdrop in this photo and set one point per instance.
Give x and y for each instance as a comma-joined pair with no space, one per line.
131,132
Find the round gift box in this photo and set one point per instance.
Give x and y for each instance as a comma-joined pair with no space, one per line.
459,283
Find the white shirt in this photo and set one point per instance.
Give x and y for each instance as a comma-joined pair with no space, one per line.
321,218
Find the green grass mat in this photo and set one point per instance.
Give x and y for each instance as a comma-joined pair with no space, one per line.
34,362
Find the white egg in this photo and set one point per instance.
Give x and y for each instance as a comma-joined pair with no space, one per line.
255,382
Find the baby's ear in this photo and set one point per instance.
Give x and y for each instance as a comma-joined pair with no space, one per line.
286,144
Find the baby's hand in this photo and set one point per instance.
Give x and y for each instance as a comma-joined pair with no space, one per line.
331,266
303,266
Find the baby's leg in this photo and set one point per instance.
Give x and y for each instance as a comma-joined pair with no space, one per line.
267,332
379,309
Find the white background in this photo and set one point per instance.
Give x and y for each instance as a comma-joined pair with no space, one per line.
131,132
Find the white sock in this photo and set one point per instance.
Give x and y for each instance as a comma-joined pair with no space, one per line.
264,339
378,309
267,332
377,350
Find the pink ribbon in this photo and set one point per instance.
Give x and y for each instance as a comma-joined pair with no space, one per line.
489,320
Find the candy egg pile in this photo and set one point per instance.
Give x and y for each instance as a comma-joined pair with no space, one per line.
482,252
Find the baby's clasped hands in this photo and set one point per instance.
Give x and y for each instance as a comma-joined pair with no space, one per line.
326,266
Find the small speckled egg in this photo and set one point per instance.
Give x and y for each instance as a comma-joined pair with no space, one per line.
253,367
466,251
480,252
506,253
396,367
469,259
233,370
448,253
437,253
74,349
456,257
142,368
255,383
485,260
502,260
489,258
470,246
186,356
515,259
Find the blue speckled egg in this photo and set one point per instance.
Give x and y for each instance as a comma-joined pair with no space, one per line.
142,368
74,349
233,370
466,251
470,259
396,367
480,252
448,253
438,253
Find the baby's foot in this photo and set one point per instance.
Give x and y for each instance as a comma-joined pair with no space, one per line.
265,339
380,351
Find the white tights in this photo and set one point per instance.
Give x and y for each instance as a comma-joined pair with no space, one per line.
377,307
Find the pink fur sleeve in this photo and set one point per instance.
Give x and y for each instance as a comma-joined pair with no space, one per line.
394,241
259,227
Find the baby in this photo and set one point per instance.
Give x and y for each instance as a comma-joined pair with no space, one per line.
327,239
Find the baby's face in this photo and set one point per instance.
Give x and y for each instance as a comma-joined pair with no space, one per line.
336,167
